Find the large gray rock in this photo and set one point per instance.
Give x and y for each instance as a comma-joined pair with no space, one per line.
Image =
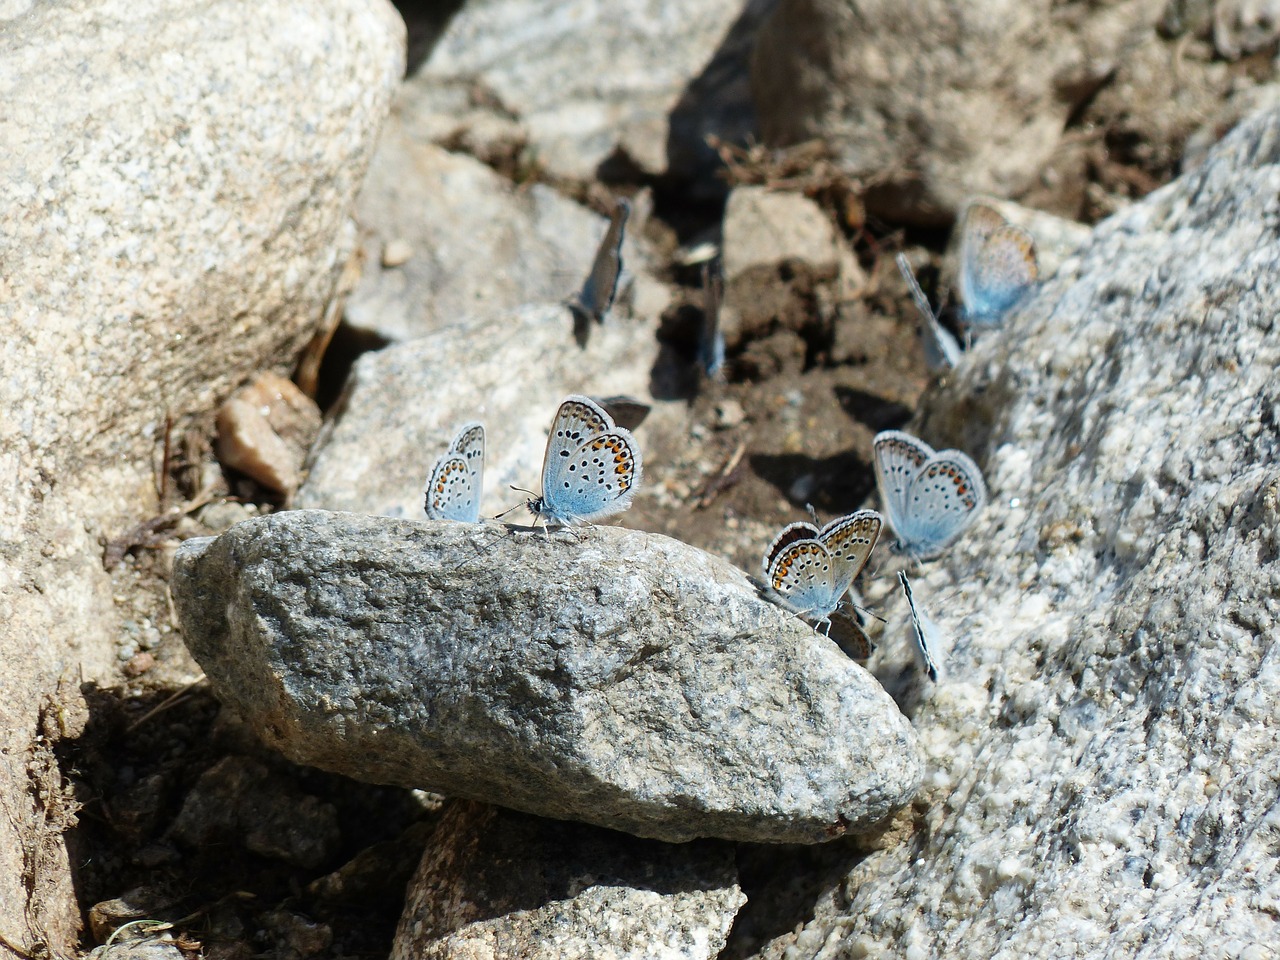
544,889
478,244
176,182
1104,764
935,100
584,81
604,675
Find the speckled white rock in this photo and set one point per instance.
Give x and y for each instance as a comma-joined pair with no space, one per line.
611,676
493,880
175,191
584,79
1105,762
481,244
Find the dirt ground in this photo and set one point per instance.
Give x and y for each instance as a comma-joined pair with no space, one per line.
185,818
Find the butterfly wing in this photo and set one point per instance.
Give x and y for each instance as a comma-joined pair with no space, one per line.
945,497
596,480
941,349
926,632
801,577
469,445
848,634
997,266
598,290
898,458
789,535
577,421
452,492
711,338
849,540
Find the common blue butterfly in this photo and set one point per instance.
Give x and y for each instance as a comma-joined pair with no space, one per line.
928,636
930,498
941,349
591,467
595,298
809,570
453,491
997,266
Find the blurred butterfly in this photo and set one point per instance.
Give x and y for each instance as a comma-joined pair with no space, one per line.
941,349
711,337
595,298
928,635
453,492
997,266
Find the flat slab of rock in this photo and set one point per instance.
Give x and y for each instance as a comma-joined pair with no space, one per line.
545,889
604,675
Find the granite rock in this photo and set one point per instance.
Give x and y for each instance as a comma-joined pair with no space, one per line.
176,188
493,879
610,676
592,83
1103,758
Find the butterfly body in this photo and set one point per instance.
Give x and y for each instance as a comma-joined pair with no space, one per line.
591,467
809,570
997,267
457,478
930,497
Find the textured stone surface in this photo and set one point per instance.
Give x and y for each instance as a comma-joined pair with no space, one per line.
585,80
1104,760
175,187
480,245
404,403
940,99
497,881
604,675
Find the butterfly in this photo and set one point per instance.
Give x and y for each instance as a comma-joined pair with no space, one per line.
809,570
941,349
926,631
591,467
997,266
453,492
711,337
595,298
930,498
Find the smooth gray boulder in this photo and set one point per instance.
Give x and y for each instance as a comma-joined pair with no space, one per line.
561,891
1104,764
604,675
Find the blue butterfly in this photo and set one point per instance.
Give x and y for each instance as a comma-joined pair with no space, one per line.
591,467
997,266
810,570
595,298
930,498
711,337
941,349
453,492
926,631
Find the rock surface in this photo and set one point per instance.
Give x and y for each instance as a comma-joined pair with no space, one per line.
176,184
478,244
610,676
932,103
506,882
1104,764
592,82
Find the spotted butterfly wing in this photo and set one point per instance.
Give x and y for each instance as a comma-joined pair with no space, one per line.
849,540
898,458
997,266
457,479
591,467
